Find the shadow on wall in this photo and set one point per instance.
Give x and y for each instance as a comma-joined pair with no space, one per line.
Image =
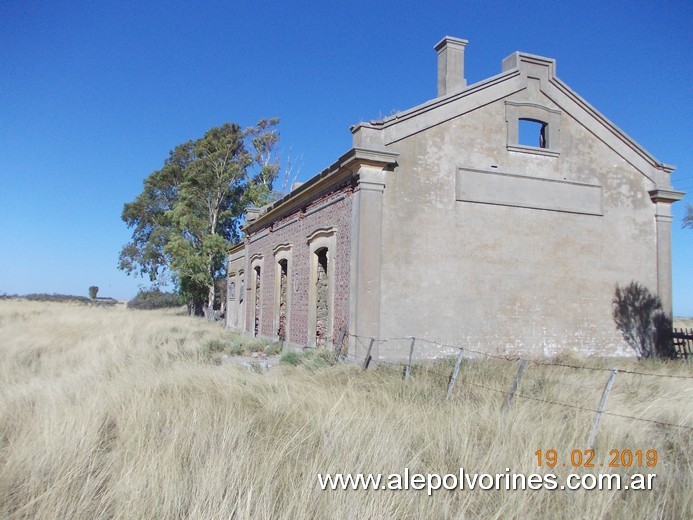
643,323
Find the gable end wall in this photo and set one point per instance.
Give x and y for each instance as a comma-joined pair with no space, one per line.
498,248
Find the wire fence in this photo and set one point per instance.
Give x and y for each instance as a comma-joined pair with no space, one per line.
437,363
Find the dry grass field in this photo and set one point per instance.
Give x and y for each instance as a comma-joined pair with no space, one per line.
111,413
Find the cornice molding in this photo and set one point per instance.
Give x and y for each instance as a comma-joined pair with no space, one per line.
669,196
346,167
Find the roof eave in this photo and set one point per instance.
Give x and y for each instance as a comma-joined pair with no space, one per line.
341,169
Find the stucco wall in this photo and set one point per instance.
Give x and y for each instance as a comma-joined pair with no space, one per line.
235,287
502,278
331,210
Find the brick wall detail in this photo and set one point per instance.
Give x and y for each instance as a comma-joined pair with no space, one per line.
300,224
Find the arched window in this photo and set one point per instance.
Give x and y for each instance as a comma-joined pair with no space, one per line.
322,300
256,301
322,243
282,300
257,292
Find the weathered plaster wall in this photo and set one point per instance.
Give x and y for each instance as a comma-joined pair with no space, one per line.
457,233
331,210
496,277
235,289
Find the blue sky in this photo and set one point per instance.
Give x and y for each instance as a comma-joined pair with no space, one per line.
93,95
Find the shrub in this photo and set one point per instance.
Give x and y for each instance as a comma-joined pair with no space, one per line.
643,323
63,298
154,299
103,302
68,298
664,342
93,291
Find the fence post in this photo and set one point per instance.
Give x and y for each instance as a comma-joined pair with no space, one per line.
600,409
516,384
455,371
367,361
411,354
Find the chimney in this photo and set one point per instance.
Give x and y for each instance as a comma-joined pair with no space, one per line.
450,65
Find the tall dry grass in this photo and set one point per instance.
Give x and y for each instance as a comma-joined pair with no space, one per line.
115,413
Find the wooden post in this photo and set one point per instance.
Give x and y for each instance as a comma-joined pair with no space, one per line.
453,377
367,361
411,354
516,384
340,343
600,409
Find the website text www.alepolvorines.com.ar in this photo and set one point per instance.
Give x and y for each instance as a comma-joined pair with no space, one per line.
463,480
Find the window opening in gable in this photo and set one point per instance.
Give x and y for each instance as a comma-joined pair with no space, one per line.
532,133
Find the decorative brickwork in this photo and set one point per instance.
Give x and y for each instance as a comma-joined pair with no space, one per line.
333,209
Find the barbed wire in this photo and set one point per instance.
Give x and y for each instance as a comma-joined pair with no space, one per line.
447,376
540,378
620,370
519,358
584,409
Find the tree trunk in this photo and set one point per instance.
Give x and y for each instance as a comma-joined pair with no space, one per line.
209,309
196,308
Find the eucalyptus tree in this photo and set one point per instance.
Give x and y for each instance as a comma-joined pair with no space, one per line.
190,210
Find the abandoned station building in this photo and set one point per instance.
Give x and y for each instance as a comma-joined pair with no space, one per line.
444,223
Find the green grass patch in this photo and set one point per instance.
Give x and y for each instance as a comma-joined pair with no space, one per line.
312,359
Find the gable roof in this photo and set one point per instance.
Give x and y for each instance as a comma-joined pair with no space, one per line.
517,69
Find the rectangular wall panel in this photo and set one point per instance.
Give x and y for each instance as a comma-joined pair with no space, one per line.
507,189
